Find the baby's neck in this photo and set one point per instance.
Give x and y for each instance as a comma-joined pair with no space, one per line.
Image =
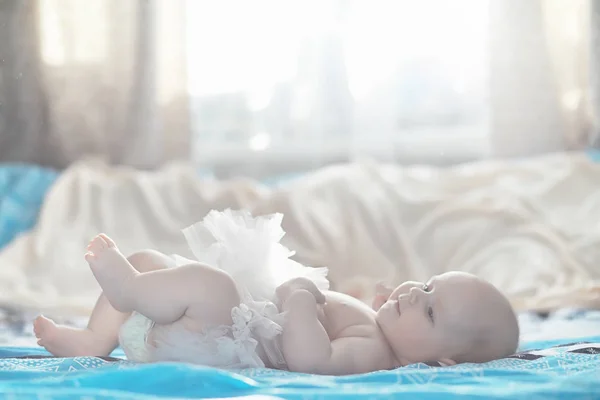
396,359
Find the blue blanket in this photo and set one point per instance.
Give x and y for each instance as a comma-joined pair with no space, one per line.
22,191
561,372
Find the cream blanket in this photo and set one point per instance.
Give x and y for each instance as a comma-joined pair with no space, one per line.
532,227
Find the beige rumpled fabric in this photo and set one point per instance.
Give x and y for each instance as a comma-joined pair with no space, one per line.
530,227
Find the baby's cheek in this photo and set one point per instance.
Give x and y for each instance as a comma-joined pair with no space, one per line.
413,332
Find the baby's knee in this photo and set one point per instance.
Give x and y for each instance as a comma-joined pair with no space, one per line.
149,260
215,279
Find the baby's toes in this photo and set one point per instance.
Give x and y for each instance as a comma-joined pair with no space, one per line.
36,328
97,244
108,241
89,257
42,326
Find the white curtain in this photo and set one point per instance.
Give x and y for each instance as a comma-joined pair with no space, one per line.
262,86
95,77
540,76
594,65
425,81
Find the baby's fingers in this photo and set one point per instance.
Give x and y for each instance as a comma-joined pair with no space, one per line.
378,302
309,285
383,289
286,290
319,296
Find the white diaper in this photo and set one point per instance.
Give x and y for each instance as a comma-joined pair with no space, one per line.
249,250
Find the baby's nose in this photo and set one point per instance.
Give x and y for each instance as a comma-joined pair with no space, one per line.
413,295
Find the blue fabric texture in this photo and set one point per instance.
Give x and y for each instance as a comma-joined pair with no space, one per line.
22,192
594,154
559,373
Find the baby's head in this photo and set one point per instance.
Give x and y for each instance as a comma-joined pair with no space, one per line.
453,318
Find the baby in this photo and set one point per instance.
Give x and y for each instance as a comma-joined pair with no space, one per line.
244,303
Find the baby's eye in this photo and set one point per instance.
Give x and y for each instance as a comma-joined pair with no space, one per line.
430,313
425,287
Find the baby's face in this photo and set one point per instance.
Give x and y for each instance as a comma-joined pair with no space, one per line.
428,321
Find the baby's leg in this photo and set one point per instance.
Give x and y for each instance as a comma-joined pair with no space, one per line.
100,337
199,291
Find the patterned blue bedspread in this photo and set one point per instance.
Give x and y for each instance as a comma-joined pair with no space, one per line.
540,372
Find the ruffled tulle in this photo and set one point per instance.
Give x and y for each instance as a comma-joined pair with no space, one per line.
249,250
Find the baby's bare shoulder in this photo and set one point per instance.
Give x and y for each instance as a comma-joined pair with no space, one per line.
345,316
339,302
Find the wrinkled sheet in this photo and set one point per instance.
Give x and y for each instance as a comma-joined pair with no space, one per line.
530,227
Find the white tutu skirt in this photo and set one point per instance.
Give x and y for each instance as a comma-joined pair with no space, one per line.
249,250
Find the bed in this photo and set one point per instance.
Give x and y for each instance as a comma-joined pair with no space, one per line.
559,352
559,359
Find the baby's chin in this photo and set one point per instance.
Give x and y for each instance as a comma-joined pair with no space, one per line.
380,315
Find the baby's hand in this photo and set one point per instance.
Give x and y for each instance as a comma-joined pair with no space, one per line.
382,293
285,290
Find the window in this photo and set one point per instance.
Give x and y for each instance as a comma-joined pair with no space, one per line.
293,80
69,35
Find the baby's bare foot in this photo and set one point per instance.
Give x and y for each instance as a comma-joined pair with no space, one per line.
112,271
64,341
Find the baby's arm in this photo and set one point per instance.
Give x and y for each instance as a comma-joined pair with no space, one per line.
305,342
307,347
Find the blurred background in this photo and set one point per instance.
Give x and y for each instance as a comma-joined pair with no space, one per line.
399,138
269,87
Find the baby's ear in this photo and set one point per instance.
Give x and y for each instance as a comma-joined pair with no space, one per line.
446,362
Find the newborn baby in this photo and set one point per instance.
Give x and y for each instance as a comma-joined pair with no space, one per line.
244,303
453,318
